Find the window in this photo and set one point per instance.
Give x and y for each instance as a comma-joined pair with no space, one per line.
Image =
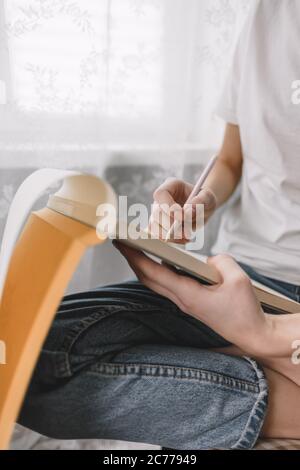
123,73
87,56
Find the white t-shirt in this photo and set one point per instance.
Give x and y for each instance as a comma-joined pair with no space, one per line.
262,95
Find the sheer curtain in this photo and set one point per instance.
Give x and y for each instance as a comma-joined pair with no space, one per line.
116,76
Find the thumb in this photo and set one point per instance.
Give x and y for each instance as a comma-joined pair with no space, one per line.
228,268
206,197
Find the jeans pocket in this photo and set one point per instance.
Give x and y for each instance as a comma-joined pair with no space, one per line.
54,361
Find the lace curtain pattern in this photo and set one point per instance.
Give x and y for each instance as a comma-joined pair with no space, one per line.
114,73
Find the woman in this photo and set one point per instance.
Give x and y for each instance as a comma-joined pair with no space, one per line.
167,360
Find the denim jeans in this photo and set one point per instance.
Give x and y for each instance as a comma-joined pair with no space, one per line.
121,362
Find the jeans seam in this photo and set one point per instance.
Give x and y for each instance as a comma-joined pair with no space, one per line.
136,306
77,330
82,325
87,322
255,421
176,372
62,366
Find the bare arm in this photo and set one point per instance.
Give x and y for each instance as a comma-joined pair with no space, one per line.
226,174
282,336
220,185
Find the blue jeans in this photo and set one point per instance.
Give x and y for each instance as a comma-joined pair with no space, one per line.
122,362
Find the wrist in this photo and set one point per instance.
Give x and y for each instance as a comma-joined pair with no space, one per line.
212,193
263,341
280,335
210,204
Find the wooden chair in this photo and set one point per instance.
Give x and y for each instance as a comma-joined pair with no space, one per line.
42,263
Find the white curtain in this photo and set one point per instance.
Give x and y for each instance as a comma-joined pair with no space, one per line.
112,77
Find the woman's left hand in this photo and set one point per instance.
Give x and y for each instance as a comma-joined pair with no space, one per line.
230,308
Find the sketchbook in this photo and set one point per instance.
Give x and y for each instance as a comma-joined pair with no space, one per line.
195,265
78,197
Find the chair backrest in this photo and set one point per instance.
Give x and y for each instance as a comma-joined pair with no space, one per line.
43,261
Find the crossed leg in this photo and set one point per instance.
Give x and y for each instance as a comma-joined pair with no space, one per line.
123,363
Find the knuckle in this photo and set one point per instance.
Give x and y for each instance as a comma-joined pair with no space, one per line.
241,280
142,267
208,192
141,277
155,215
169,182
222,257
183,308
171,179
210,198
156,193
188,305
184,304
175,207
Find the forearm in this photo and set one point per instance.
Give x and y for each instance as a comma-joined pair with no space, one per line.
277,337
282,336
226,174
277,347
223,181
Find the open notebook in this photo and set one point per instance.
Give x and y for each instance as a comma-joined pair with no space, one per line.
195,265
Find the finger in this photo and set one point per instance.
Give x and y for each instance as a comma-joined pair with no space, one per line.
144,268
158,232
138,260
163,216
171,191
130,253
172,211
200,207
228,268
161,279
190,223
160,224
205,197
154,286
177,284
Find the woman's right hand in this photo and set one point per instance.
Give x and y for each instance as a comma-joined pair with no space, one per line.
169,200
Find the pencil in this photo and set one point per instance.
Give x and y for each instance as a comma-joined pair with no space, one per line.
197,188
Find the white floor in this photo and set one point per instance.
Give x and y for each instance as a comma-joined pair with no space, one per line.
25,439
